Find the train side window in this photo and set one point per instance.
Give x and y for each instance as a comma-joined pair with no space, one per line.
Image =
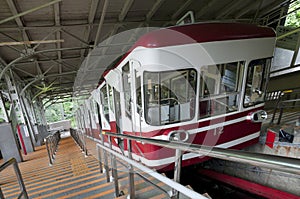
138,92
256,82
104,101
111,98
127,89
220,88
169,96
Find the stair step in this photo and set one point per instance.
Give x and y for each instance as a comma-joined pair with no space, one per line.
72,176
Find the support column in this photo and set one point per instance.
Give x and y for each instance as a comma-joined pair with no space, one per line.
8,141
20,111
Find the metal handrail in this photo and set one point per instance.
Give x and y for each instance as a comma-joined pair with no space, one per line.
174,185
13,162
285,164
52,141
282,101
79,139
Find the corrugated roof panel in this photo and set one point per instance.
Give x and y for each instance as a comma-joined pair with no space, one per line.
73,10
139,10
167,9
44,14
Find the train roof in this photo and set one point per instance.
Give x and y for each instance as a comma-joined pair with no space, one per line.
195,33
202,32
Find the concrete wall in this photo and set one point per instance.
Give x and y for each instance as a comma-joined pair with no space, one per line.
278,180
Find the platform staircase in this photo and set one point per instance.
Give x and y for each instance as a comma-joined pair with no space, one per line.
71,176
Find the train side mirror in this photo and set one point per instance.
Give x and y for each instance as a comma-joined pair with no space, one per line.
258,116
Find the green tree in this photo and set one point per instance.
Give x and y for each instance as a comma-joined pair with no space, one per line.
53,113
293,19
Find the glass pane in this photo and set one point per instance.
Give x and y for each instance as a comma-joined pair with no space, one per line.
219,88
127,93
170,96
104,101
255,85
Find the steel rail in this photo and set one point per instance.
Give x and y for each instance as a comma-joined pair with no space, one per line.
285,164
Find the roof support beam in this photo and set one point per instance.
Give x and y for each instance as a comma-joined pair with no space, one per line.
181,9
247,8
25,72
72,24
228,8
48,60
28,11
101,22
58,36
66,64
14,43
125,9
17,18
273,6
204,9
88,30
153,10
8,66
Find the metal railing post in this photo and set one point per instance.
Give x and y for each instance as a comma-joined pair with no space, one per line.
14,163
84,146
177,172
105,160
100,159
1,193
176,136
20,181
280,114
186,191
114,169
131,170
49,152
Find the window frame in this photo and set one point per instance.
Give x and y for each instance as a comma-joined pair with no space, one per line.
222,93
263,82
159,85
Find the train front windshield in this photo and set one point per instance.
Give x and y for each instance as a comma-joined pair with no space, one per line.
170,96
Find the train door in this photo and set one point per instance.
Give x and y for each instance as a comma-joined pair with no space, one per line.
104,108
136,94
132,97
117,108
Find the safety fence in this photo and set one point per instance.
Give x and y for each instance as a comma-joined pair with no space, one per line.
52,141
14,163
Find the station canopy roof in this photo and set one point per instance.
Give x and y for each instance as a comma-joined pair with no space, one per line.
44,43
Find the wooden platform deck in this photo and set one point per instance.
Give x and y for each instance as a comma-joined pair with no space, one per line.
71,176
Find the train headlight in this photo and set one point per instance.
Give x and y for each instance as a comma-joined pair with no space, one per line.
258,116
178,135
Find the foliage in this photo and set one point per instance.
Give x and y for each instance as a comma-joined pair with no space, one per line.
293,19
61,111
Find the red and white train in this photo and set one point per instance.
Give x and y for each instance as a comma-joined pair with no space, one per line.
207,79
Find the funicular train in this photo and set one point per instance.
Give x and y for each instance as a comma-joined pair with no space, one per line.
206,79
